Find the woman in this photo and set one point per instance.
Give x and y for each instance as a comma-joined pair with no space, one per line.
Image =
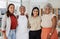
22,30
34,24
9,23
49,22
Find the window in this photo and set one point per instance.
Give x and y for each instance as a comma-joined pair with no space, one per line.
2,7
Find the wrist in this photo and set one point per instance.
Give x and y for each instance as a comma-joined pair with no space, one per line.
50,34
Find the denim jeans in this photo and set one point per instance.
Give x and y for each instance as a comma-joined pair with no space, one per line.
12,34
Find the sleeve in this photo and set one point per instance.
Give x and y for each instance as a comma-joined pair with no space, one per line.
3,23
53,15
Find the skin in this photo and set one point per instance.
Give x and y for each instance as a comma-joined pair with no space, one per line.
22,10
47,10
11,9
35,13
54,22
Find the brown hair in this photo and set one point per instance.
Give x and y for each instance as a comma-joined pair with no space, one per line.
8,12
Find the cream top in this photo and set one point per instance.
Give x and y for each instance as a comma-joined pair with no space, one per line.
47,20
34,23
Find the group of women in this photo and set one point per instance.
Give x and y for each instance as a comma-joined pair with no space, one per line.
40,27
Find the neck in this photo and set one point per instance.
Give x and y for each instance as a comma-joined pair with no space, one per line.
47,13
34,16
11,14
21,14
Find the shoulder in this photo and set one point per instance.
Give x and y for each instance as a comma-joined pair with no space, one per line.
4,16
27,16
30,18
53,15
43,16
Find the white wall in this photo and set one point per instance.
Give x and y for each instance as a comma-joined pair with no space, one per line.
29,4
1,4
55,3
40,3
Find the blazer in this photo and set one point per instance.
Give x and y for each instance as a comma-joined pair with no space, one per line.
6,24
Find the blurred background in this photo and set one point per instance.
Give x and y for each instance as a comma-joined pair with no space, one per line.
29,4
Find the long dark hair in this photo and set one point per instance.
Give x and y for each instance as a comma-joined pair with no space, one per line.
33,10
8,12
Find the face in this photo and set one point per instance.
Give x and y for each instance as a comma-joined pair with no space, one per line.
22,10
11,9
35,12
47,10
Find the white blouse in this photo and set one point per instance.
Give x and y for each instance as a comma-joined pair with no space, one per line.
47,20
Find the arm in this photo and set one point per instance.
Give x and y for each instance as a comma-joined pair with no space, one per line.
29,22
54,23
3,26
40,21
29,25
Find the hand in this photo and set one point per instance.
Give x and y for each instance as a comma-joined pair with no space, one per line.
4,34
5,37
49,37
29,27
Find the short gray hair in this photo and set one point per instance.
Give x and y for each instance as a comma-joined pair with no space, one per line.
48,5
